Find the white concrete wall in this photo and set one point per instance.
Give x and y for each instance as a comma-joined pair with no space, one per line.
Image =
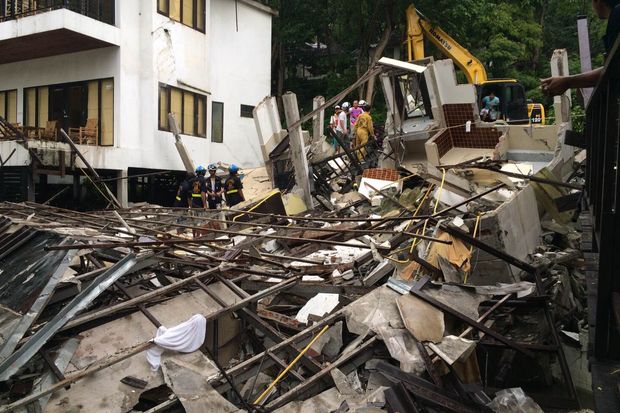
228,66
240,66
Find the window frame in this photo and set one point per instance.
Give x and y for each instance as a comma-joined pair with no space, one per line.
181,118
246,112
6,104
195,18
37,120
213,104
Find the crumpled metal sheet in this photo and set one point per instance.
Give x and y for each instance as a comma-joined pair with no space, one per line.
12,364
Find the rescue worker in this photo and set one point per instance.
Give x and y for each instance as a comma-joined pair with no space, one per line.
181,200
364,130
343,125
214,188
233,188
198,189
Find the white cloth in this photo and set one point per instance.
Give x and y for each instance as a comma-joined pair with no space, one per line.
185,338
342,123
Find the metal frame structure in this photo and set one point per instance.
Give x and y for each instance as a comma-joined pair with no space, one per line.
601,224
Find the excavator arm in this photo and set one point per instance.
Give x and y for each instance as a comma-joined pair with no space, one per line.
419,26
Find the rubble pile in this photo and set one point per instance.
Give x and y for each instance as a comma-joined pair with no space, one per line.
405,290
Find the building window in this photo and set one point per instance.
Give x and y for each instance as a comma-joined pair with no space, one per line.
72,105
247,111
8,105
217,122
188,12
189,109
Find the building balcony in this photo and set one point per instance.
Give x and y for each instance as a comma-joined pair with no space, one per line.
31,29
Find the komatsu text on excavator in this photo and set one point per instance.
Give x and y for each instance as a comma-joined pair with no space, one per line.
513,108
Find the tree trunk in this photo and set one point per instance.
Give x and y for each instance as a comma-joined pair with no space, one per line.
280,78
538,50
385,38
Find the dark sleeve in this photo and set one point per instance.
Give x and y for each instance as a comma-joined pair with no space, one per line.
238,183
203,185
613,28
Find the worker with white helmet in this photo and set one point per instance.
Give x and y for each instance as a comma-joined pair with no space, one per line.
214,188
343,123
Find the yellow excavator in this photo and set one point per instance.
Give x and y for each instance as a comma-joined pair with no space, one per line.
514,107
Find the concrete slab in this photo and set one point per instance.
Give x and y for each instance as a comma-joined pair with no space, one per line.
103,391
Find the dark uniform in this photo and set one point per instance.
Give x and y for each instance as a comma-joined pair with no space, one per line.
232,185
613,28
197,187
183,194
214,187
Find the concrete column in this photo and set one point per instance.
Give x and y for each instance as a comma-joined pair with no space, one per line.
122,188
77,188
584,53
562,103
269,130
318,121
297,147
31,176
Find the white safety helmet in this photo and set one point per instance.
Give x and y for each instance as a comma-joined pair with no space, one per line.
346,105
362,103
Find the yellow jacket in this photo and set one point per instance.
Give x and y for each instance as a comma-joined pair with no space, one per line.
364,124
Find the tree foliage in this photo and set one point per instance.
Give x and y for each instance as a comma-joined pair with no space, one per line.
321,47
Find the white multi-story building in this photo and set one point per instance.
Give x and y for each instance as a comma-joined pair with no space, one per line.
117,68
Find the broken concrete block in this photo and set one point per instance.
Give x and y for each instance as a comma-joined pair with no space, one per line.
402,347
458,298
328,401
513,401
191,385
256,384
422,320
319,305
330,343
382,270
374,311
347,385
453,349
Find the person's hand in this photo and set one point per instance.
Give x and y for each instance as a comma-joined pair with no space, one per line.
554,86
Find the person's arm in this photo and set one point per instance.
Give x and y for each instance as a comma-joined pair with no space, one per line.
554,86
203,194
240,189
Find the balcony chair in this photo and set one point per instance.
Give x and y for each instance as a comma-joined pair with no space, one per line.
85,135
50,132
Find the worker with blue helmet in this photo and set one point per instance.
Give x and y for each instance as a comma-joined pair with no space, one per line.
198,189
233,188
214,187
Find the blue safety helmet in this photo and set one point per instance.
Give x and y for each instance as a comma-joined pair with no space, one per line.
212,167
200,170
233,168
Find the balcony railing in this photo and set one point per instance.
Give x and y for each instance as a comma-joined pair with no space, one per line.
602,195
102,10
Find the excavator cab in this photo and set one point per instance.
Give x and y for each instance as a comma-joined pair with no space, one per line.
512,101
